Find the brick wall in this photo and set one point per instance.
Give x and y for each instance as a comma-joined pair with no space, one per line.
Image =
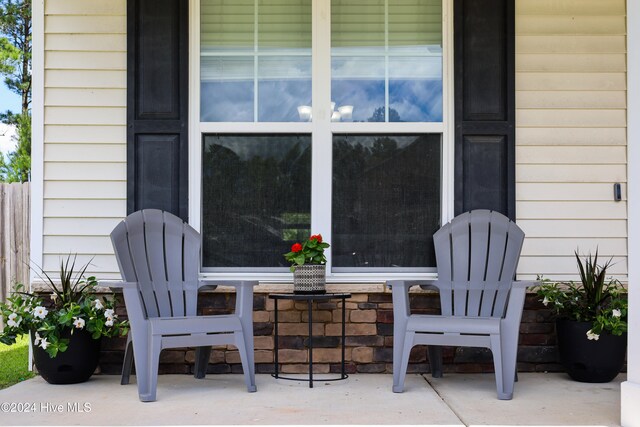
369,338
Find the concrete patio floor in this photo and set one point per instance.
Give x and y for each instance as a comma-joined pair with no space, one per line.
363,399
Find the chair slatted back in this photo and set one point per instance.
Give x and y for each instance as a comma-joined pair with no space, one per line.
477,255
162,253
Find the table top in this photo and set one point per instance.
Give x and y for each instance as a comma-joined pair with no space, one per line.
306,297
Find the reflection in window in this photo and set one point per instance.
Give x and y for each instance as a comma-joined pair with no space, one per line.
255,60
387,59
256,198
386,200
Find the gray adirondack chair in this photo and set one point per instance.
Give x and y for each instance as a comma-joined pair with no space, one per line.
476,254
159,256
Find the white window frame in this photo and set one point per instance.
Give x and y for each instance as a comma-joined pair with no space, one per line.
321,130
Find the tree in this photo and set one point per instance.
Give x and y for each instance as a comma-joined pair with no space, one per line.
15,67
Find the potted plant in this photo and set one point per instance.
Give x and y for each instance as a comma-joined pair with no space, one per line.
308,264
65,330
591,321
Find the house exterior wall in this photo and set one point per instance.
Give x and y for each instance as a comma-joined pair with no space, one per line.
571,131
84,130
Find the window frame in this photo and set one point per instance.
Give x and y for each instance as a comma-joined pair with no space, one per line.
321,130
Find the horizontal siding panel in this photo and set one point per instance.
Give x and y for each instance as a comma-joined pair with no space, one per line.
60,60
84,7
85,116
571,99
571,81
606,247
85,208
571,62
85,134
86,79
571,136
71,24
75,227
86,42
572,210
545,24
571,118
71,97
85,153
564,265
574,228
100,264
63,171
535,191
86,245
86,189
570,44
571,7
571,155
571,173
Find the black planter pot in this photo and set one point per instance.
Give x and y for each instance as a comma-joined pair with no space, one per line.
589,361
76,365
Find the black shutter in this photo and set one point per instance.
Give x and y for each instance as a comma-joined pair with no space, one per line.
157,105
484,70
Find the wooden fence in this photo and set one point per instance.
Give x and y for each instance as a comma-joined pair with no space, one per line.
15,224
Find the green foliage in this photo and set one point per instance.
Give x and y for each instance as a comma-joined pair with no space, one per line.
15,67
73,305
595,299
14,363
309,252
17,165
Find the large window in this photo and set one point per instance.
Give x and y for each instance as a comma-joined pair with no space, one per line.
320,116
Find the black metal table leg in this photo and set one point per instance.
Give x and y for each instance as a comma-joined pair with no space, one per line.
310,319
275,332
343,338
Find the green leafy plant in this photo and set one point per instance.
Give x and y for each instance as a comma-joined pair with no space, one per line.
73,305
596,298
309,252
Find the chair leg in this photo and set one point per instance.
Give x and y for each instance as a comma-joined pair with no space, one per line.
435,360
127,363
202,361
247,361
147,361
504,374
401,352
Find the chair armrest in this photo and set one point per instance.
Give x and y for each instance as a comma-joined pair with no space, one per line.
406,284
117,284
212,284
524,284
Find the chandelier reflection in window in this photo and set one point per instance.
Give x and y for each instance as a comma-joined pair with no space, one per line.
342,114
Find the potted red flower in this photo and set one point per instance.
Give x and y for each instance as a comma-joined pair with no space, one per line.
308,264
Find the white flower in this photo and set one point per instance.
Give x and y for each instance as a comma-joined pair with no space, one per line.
12,320
44,344
40,312
616,312
37,340
545,301
97,304
109,321
54,297
78,323
109,313
592,336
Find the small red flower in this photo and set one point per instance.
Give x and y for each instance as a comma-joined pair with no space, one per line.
297,247
317,237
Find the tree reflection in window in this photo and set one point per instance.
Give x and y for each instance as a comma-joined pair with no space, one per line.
386,200
256,194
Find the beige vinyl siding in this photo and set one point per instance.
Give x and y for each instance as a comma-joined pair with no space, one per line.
85,130
570,133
